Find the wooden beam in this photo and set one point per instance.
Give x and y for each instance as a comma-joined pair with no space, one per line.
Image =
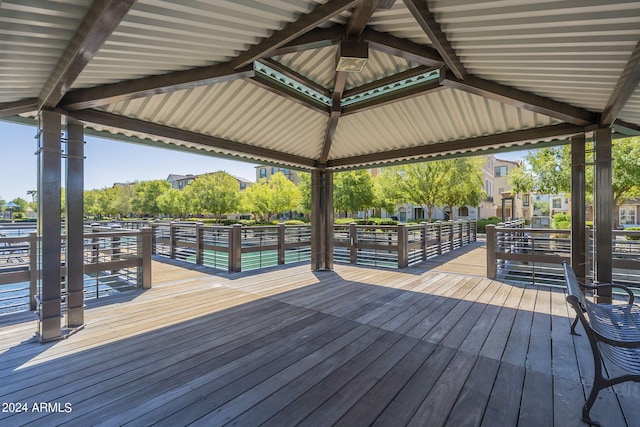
359,18
8,109
625,87
395,46
430,26
392,97
339,83
293,30
626,128
463,145
314,39
384,4
101,20
289,93
135,125
152,85
412,72
293,75
520,99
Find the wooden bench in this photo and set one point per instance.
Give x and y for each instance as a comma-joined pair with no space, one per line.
613,331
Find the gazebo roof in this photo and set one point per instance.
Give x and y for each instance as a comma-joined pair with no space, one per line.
258,80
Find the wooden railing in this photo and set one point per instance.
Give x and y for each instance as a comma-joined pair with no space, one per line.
114,260
535,255
237,248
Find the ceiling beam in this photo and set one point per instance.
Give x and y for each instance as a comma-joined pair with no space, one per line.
381,83
293,75
339,83
384,4
427,21
314,39
289,93
464,145
8,109
392,97
359,18
293,30
625,87
141,126
395,46
102,18
520,99
152,85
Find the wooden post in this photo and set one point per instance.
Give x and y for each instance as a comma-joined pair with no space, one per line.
321,219
403,248
33,270
199,243
353,243
235,248
491,251
439,236
451,234
461,224
281,244
154,228
423,240
173,241
145,249
603,203
578,201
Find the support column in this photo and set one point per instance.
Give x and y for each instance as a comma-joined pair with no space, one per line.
321,219
603,204
49,186
578,201
74,215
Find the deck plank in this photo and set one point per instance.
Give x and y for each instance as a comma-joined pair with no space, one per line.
354,346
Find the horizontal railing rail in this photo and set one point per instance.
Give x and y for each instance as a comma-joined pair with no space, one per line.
536,255
115,260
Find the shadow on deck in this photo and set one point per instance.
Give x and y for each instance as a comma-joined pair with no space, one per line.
354,346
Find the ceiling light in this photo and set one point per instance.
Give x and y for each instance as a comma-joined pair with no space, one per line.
352,56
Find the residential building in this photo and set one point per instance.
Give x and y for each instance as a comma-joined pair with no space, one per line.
179,182
265,171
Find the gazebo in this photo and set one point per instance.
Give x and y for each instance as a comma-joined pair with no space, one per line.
317,85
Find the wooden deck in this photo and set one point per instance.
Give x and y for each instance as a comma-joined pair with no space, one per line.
355,346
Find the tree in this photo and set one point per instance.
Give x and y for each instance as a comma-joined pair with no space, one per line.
274,196
174,202
146,193
216,193
304,206
353,191
463,184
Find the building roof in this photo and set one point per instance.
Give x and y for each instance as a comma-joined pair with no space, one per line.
257,80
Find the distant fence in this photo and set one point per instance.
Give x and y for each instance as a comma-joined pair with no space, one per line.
114,260
236,248
535,255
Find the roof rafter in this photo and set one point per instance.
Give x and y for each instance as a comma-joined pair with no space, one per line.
162,131
294,75
558,131
153,85
402,48
8,109
427,21
305,23
625,87
520,99
392,97
412,72
314,39
101,20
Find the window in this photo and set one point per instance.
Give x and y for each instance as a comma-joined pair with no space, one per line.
628,215
525,200
556,203
500,171
243,185
273,170
263,172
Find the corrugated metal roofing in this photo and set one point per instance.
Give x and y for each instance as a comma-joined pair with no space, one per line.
572,51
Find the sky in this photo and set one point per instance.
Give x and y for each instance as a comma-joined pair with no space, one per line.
108,161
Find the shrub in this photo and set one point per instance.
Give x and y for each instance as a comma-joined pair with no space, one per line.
632,237
561,221
294,222
482,223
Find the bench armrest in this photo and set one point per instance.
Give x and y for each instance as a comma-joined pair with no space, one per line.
610,286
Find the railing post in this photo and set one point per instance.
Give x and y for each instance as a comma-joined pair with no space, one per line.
460,233
281,243
33,269
451,234
115,246
439,236
491,251
353,243
146,243
199,243
403,249
475,230
235,248
154,231
173,241
423,240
